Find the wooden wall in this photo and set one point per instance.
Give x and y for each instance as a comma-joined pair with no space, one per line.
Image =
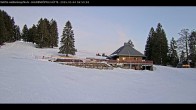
121,58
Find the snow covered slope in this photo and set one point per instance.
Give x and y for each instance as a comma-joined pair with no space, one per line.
24,79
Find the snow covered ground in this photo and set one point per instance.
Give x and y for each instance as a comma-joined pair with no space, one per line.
24,79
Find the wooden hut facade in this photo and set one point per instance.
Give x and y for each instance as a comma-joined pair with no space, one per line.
128,57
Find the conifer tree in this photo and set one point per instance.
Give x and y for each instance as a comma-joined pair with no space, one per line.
2,30
32,34
159,46
173,56
149,43
8,29
192,47
12,31
8,25
39,37
156,48
67,40
46,33
43,35
17,34
53,34
25,32
164,48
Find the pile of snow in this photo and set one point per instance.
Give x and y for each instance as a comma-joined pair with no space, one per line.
24,79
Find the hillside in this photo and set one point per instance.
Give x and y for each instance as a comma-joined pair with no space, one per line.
24,79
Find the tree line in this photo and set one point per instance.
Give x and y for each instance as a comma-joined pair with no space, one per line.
43,34
181,50
9,32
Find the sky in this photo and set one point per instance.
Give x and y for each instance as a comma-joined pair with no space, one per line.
103,29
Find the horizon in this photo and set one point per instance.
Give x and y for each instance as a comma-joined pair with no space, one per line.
105,29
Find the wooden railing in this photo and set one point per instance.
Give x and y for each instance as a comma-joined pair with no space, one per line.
142,62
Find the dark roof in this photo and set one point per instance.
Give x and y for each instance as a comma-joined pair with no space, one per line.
126,50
